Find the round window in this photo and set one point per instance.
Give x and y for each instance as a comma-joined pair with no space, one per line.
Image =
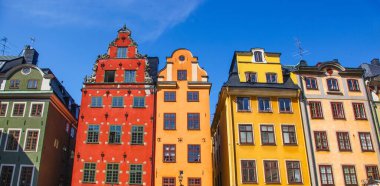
182,58
25,71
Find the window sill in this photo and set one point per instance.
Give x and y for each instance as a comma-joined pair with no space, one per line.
323,150
244,110
117,107
95,143
368,150
317,118
114,143
137,144
246,144
354,90
96,107
139,107
361,119
194,129
286,112
261,111
345,150
249,182
334,92
339,118
169,162
269,144
291,144
312,88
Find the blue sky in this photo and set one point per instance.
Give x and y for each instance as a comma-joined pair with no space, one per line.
71,33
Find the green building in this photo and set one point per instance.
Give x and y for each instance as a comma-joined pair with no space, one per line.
38,122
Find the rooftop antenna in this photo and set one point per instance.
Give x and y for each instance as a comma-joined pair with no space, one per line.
3,44
301,52
32,41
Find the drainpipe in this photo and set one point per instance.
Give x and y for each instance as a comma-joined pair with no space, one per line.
303,100
373,113
155,90
233,137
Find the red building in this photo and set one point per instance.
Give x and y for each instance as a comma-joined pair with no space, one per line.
116,123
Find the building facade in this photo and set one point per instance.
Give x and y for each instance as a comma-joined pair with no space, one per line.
183,142
37,124
337,114
257,130
116,122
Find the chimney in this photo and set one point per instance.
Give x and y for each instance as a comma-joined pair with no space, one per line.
30,55
375,61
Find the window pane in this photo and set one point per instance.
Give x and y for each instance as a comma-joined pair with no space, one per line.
130,76
109,76
194,153
122,52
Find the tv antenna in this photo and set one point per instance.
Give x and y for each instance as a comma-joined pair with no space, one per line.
301,52
3,44
32,41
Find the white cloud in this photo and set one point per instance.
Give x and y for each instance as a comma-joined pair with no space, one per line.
151,18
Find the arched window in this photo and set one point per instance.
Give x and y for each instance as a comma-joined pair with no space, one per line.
332,84
258,56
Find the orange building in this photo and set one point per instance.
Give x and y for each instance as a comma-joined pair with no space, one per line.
183,142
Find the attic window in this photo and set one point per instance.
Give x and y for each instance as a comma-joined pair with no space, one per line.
258,56
122,52
251,77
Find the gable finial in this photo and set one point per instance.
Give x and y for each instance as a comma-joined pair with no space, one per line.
124,29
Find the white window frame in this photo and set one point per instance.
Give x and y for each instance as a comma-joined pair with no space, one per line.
42,111
253,133
6,140
291,105
13,107
295,131
279,170
286,170
26,135
19,174
6,110
262,53
241,173
274,133
270,104
14,170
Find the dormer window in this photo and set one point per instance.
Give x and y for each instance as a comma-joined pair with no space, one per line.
332,84
271,77
258,56
122,52
353,85
251,77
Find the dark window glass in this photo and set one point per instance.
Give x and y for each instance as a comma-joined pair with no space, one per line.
31,140
96,101
114,134
294,171
337,110
251,77
3,109
137,135
169,153
194,153
258,56
372,172
36,110
193,121
6,175
271,78
349,175
26,176
139,102
32,84
169,121
117,102
326,175
264,105
130,76
332,84
343,141
243,104
245,134
267,135
248,171
321,142
14,84
359,111
193,96
195,181
135,174
182,75
13,140
89,172
311,83
93,134
109,76
285,104
353,85
168,181
122,52
316,110
169,96
18,109
271,172
112,173
366,141
289,135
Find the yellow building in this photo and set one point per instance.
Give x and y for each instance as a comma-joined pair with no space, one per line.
257,130
183,142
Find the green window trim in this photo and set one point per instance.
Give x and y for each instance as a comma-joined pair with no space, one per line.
112,173
114,136
139,102
137,135
89,172
93,134
135,174
96,101
118,102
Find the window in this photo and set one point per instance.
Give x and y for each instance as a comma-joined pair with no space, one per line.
267,135
72,132
193,96
3,109
285,104
117,102
36,109
115,134
31,140
195,181
122,52
353,85
271,78
294,171
130,76
332,84
135,174
89,172
343,141
25,177
245,134
109,76
366,141
139,102
14,84
96,101
359,111
18,109
321,142
181,75
194,153
243,104
372,172
169,96
316,110
169,153
264,105
93,134
169,121
251,77
137,135
13,139
248,171
112,173
349,175
311,83
168,181
7,174
289,135
337,110
193,121
271,172
258,56
32,84
326,174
